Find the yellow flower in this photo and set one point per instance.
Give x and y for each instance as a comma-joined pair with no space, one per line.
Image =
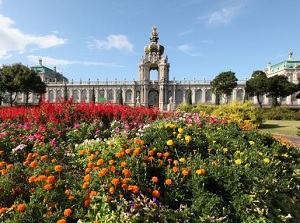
238,161
179,136
201,171
267,160
251,142
170,142
285,155
180,130
182,160
188,138
260,153
225,150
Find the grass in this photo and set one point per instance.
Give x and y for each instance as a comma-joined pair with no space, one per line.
285,127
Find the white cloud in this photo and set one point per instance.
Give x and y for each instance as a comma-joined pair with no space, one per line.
13,40
187,50
226,13
112,42
223,15
48,61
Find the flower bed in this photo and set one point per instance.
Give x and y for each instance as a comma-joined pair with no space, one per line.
108,163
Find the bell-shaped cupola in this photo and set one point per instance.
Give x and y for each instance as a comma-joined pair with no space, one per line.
154,47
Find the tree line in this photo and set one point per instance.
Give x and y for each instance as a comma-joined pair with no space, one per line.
259,84
17,78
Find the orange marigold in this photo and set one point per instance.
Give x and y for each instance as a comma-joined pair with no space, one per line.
136,151
87,202
154,179
21,207
100,162
93,193
87,177
90,165
68,191
47,186
185,172
124,164
3,210
102,172
126,172
32,179
42,178
67,212
33,164
151,153
115,181
45,157
111,162
155,193
168,182
111,190
134,188
51,179
58,168
61,221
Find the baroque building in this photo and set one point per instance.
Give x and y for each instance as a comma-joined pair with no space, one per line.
161,92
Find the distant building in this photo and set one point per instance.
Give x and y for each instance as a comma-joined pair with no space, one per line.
158,91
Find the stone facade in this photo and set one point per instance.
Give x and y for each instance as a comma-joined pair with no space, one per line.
161,92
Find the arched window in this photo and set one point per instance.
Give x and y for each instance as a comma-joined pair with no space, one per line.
179,96
128,96
240,95
58,94
199,96
51,95
75,96
208,96
83,95
110,95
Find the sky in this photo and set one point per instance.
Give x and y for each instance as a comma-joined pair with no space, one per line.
105,39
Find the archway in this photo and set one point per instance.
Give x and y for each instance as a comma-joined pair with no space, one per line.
153,98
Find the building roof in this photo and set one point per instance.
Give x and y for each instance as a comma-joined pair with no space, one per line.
290,63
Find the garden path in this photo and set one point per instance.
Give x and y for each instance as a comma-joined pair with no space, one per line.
294,140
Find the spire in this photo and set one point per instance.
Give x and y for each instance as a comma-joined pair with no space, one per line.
154,47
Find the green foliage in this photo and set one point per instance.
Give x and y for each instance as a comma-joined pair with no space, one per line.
224,83
242,111
257,85
281,113
279,86
184,107
19,78
189,96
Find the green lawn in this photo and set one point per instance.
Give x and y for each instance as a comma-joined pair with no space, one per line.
286,127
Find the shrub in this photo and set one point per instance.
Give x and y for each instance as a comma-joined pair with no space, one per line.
240,111
281,113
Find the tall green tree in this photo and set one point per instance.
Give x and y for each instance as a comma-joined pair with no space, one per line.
29,82
17,78
93,95
279,86
8,81
257,85
189,96
65,92
120,97
224,83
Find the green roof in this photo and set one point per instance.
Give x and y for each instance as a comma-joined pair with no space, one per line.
287,64
42,69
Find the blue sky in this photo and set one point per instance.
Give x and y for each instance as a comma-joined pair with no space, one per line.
105,39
